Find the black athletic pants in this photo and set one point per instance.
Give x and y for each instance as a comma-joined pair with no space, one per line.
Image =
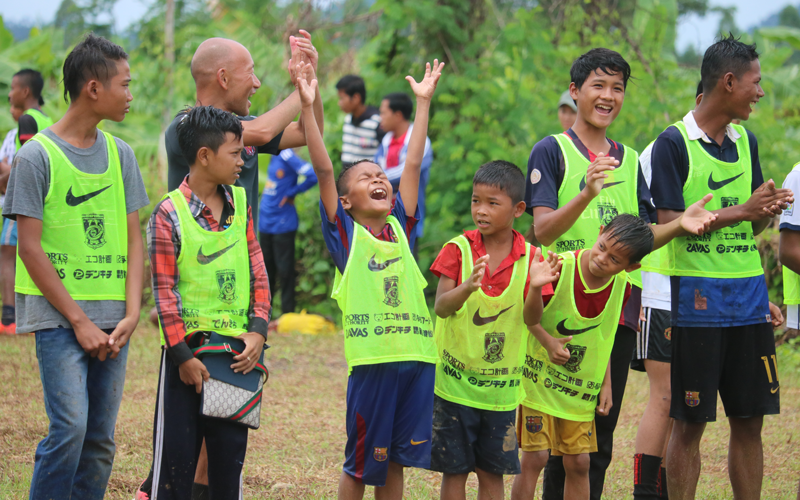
554,475
178,436
278,250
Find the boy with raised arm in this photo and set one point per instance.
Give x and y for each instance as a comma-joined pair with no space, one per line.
567,375
389,343
490,288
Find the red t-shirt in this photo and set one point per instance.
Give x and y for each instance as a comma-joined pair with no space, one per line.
448,263
393,154
590,304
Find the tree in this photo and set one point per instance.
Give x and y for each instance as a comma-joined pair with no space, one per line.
789,16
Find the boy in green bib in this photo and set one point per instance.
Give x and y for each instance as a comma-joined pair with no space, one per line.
490,288
75,192
567,373
388,332
208,276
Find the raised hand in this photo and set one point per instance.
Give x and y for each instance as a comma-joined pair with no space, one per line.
304,45
425,88
696,219
478,271
767,201
542,272
596,173
307,90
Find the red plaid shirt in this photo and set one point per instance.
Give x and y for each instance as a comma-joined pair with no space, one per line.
164,244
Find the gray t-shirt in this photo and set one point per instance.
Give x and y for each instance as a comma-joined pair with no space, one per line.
27,188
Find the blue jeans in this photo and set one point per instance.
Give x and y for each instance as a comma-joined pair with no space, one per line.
81,396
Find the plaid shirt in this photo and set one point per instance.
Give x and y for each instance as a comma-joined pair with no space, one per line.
164,244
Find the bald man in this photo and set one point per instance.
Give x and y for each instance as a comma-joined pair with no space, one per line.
224,76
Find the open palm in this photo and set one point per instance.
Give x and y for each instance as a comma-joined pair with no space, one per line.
696,219
425,88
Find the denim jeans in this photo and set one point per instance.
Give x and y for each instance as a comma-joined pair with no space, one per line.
81,396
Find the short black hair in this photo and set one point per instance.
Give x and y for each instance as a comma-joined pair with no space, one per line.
205,126
503,175
341,180
34,81
352,85
728,55
399,101
607,60
633,233
699,89
94,57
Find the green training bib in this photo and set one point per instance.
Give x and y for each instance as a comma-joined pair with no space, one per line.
570,391
42,122
482,346
84,227
619,195
730,252
791,280
383,306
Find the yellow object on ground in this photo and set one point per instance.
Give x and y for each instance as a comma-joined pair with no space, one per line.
311,324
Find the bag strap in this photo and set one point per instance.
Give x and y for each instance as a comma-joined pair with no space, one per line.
220,348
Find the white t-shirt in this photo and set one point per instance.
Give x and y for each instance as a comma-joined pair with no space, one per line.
9,147
655,287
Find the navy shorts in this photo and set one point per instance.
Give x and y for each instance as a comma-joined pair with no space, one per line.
465,438
389,413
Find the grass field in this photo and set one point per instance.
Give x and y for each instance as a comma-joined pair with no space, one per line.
298,450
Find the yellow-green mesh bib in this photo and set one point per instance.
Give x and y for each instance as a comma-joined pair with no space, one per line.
791,280
42,122
482,345
84,227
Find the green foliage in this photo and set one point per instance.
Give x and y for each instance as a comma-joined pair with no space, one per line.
507,63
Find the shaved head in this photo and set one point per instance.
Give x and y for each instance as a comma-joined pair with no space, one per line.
223,73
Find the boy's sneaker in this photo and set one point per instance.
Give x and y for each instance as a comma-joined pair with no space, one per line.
9,329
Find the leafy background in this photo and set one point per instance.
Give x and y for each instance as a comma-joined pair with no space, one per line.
508,61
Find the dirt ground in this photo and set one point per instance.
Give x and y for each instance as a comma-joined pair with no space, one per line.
298,451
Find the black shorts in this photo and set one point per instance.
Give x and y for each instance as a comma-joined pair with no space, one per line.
654,339
737,361
466,437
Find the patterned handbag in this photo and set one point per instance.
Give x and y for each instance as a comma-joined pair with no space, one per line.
228,395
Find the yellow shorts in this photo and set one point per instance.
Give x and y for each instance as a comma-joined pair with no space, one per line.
538,431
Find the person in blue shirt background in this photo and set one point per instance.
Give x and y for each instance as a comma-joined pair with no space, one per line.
277,221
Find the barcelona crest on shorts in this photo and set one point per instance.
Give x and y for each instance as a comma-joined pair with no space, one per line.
380,454
250,150
692,398
533,424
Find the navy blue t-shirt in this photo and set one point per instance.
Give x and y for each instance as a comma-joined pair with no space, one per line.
697,301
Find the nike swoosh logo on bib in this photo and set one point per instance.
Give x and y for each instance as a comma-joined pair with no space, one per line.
375,267
606,185
714,185
207,259
563,330
477,320
74,201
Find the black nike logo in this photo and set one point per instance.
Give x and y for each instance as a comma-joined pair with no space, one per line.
477,320
714,185
563,330
606,185
208,259
375,267
74,201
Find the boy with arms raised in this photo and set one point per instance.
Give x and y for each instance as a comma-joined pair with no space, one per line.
197,233
568,209
490,287
75,192
722,340
389,343
567,377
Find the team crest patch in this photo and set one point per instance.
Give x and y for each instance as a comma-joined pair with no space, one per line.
380,454
668,333
226,281
250,150
692,398
493,344
606,213
533,424
94,230
391,294
576,354
729,201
